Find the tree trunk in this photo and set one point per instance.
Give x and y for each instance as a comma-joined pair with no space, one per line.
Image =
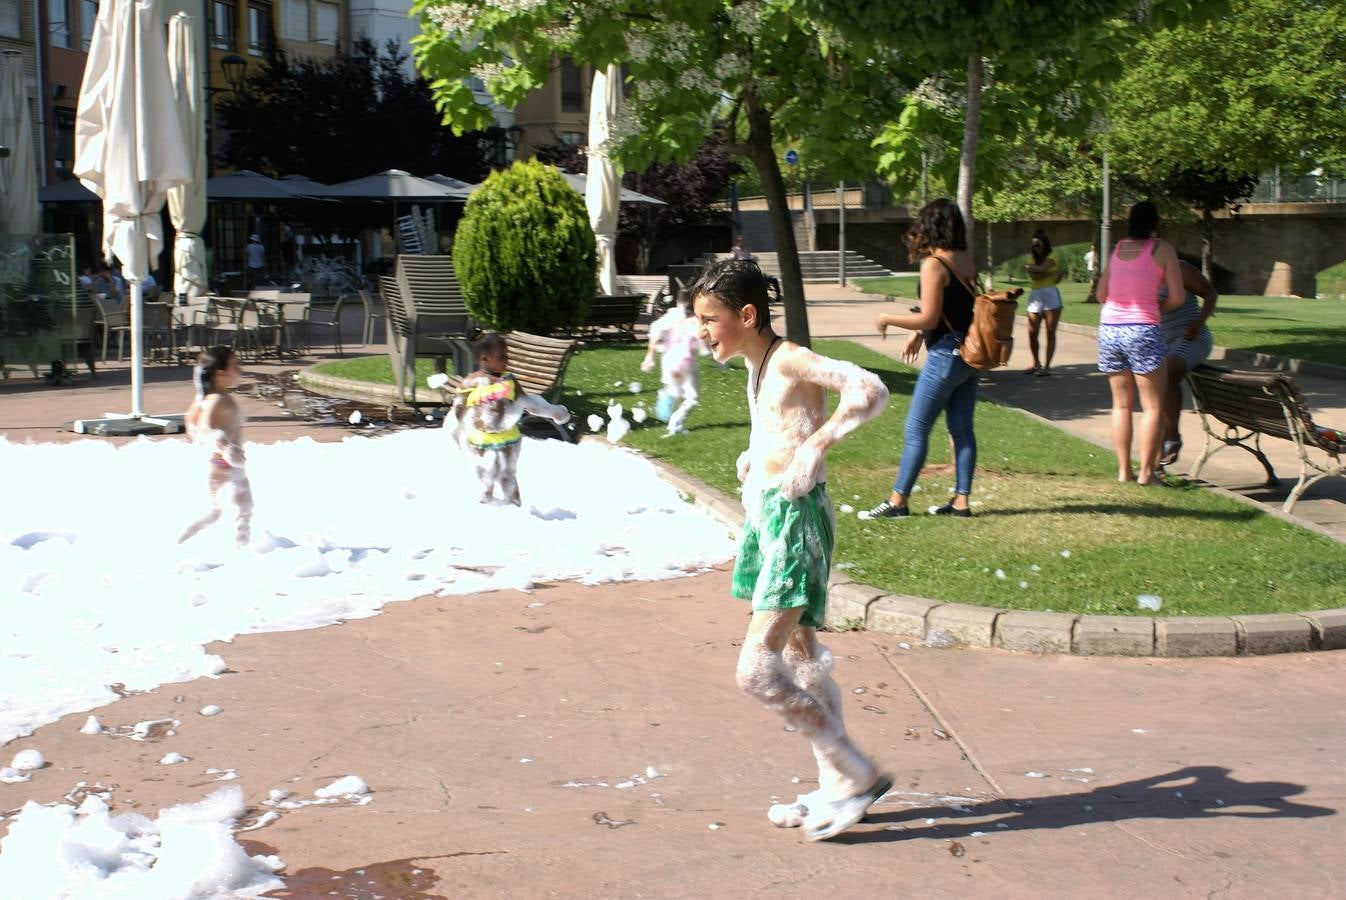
967,161
1208,244
762,153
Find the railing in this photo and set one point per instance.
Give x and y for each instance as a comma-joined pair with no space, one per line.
1280,188
823,195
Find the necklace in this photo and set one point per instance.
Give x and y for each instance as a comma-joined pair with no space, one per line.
761,369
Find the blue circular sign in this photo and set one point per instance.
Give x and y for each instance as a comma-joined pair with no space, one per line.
791,158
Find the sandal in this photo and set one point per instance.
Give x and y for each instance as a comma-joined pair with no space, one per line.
1170,454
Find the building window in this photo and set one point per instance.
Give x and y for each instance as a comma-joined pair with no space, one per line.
573,138
572,87
328,22
11,19
259,29
63,154
88,15
58,23
222,25
294,20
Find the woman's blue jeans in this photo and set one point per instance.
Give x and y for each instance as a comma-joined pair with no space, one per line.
948,385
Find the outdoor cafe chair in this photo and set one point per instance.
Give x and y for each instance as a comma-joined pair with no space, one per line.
372,314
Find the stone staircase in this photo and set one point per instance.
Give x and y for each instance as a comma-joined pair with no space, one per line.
817,266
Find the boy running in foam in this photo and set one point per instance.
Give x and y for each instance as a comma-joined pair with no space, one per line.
785,552
486,414
675,336
214,422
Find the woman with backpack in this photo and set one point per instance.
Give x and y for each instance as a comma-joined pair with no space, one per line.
1130,342
947,384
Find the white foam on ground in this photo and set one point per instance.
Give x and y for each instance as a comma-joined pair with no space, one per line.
337,537
189,850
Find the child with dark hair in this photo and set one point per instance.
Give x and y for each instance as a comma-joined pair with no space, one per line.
785,551
214,422
486,413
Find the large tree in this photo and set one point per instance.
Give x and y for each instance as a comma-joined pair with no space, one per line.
753,70
341,118
1203,108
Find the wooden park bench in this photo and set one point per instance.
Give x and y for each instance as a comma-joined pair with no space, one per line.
539,363
1252,404
654,287
612,316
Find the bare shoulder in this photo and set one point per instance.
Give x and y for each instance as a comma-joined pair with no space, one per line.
219,410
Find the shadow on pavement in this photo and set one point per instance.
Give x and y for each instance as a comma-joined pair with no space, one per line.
1195,792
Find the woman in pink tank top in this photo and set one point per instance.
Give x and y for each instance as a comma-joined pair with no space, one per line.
1130,343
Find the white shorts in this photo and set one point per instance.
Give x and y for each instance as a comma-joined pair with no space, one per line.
1043,299
1194,352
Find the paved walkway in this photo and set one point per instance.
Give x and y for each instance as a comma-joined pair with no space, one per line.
486,724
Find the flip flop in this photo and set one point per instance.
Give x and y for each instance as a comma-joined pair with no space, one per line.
842,814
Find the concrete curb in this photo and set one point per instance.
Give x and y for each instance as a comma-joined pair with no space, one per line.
1245,358
939,624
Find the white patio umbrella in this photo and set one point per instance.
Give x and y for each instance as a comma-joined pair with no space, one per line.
18,172
187,202
129,147
602,189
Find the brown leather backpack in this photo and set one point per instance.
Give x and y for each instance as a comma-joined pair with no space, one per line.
990,339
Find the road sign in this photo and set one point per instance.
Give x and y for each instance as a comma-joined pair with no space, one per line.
791,158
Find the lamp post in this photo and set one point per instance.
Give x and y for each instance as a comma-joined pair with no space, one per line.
234,68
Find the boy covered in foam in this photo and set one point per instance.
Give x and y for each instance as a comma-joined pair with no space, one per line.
675,337
486,413
785,551
215,422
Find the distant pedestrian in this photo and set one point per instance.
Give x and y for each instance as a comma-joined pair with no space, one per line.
254,257
1044,300
739,250
1130,343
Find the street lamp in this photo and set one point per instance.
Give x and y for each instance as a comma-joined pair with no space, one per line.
233,66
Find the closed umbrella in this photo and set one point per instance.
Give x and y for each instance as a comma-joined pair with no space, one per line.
603,186
129,147
18,172
187,202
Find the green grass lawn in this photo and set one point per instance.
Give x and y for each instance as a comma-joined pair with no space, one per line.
1282,326
1049,515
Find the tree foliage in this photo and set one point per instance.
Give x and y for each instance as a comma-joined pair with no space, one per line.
750,69
341,118
524,253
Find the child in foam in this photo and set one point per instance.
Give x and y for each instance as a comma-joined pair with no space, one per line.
215,422
674,336
486,414
785,552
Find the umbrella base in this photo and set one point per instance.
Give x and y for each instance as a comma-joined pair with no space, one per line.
127,425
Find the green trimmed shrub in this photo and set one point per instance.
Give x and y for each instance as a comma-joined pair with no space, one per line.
524,251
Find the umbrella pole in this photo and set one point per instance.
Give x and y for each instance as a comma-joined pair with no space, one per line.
137,353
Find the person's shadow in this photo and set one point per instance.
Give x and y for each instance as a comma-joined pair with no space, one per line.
1196,792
